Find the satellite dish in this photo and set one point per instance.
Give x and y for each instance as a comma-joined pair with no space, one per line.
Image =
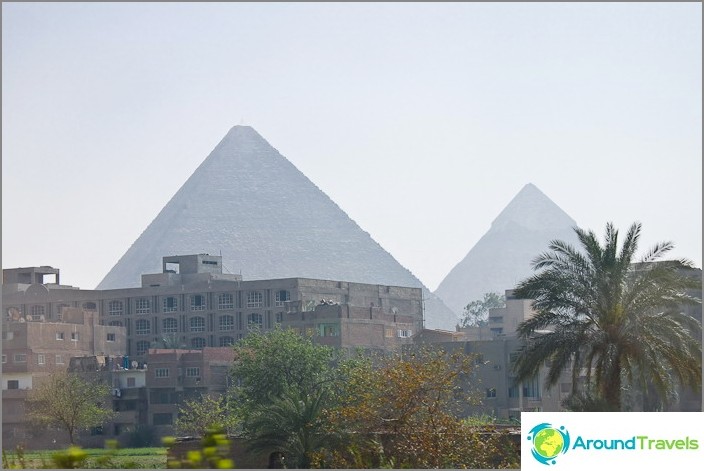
42,318
14,313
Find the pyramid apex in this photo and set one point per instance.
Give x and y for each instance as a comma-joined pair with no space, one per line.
531,208
241,129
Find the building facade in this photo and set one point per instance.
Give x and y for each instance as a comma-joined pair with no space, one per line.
33,348
169,339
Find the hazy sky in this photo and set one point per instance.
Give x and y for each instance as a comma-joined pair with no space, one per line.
420,120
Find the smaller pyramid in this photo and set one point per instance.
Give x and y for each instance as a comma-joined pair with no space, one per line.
503,256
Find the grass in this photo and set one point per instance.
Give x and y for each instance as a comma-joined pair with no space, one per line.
141,458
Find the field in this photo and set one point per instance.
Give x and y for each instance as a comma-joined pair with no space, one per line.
152,458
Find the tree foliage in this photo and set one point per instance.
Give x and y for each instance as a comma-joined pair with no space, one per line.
283,382
476,313
197,417
292,426
269,363
400,411
315,408
619,321
71,402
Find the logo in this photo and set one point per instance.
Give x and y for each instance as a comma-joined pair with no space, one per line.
548,442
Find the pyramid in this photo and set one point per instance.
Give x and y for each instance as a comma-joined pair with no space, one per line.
249,204
503,256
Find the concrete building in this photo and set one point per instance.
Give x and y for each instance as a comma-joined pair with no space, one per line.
495,347
193,305
168,340
175,376
34,347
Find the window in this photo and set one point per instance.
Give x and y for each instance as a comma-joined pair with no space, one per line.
329,330
90,306
4,358
254,321
8,335
198,342
115,323
192,372
225,301
41,359
111,337
197,302
59,359
59,311
197,324
531,388
227,341
37,312
142,327
405,333
255,299
74,336
142,306
131,382
491,392
162,397
169,325
59,336
142,347
161,373
227,322
170,304
115,308
281,297
13,384
163,418
20,357
279,317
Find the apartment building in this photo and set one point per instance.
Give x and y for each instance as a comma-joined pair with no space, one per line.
193,305
169,339
34,347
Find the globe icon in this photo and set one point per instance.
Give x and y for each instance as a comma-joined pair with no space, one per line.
548,443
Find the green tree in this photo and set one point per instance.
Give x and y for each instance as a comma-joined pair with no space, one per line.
476,313
292,426
269,363
71,402
197,417
619,321
283,381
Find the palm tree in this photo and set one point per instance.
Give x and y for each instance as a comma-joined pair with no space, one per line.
618,321
290,425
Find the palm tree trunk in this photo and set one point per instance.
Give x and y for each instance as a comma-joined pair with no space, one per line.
612,387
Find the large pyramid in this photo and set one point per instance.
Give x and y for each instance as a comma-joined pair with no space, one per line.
249,204
503,256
